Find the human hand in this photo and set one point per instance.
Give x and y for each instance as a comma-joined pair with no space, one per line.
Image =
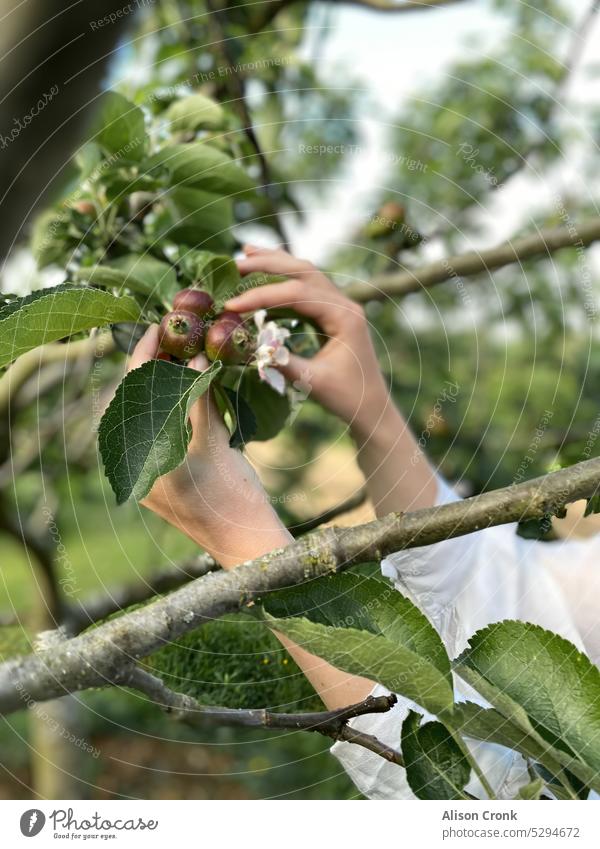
215,496
344,376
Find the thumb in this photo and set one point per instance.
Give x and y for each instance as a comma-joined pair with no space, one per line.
204,415
299,372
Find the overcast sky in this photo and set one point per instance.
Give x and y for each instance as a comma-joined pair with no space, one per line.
393,56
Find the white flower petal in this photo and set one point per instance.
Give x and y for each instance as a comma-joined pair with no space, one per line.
274,378
259,318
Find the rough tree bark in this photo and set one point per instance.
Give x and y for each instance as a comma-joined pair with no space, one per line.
106,654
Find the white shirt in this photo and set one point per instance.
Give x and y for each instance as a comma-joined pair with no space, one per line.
462,585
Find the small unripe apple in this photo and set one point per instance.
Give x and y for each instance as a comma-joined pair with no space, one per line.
181,334
393,211
193,300
85,207
228,340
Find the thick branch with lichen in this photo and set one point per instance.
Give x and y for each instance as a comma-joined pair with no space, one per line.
106,654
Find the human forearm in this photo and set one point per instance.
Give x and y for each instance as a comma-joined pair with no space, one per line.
397,473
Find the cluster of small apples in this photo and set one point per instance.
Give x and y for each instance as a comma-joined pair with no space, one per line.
192,327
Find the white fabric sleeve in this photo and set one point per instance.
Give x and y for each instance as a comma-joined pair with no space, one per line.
462,585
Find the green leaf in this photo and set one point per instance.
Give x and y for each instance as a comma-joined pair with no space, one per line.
522,736
51,314
216,273
143,274
202,166
378,658
533,790
145,431
196,218
556,685
436,768
120,128
87,159
242,419
490,726
50,239
366,604
593,505
195,112
270,409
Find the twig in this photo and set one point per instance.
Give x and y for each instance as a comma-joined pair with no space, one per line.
307,525
544,242
572,58
333,723
98,657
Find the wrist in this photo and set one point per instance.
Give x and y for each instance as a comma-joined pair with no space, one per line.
377,419
222,507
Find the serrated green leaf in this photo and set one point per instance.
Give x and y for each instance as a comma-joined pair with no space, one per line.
120,127
51,314
143,274
490,726
522,735
194,113
202,166
436,768
145,431
554,683
374,657
365,604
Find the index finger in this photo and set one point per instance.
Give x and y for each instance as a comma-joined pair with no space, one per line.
274,262
306,300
